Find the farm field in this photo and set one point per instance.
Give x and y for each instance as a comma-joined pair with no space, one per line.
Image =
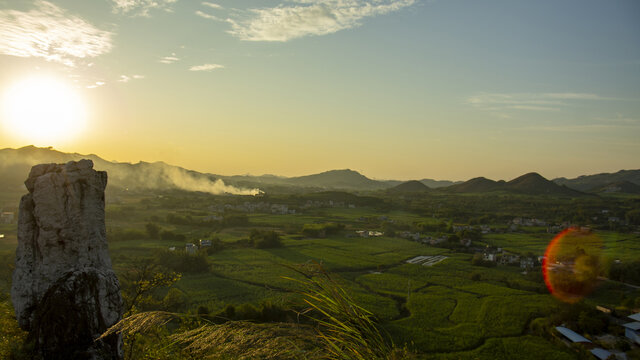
451,309
439,311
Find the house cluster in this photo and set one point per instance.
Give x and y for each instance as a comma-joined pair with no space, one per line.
327,203
191,248
632,333
369,233
484,229
607,214
424,239
501,257
252,207
528,222
7,217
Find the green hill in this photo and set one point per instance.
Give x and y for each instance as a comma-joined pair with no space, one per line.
476,185
589,182
409,187
621,187
530,184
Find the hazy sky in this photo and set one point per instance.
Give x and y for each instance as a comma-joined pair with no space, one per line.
403,89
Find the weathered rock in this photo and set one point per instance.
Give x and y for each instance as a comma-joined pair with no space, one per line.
64,290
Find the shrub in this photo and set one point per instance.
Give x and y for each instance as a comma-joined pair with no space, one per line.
264,239
182,262
321,230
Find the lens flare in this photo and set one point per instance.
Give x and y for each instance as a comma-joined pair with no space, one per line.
571,264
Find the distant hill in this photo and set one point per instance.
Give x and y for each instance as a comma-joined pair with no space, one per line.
409,187
589,182
476,185
329,180
338,179
621,187
536,184
15,165
530,184
434,184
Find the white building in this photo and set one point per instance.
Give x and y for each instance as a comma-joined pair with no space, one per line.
6,217
632,329
190,248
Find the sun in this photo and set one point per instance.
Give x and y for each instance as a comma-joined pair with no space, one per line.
43,111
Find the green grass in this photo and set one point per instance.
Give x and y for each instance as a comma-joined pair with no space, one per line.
625,247
520,347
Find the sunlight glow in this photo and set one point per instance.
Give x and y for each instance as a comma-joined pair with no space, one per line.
43,111
571,264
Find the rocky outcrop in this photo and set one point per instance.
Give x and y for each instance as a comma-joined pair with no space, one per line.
64,290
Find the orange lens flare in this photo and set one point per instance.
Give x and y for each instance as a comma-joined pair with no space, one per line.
571,264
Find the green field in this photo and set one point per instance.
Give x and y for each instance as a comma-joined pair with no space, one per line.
450,310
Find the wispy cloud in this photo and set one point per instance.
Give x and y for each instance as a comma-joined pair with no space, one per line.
96,85
574,96
49,32
500,102
208,16
127,78
141,7
578,128
308,17
205,67
169,59
212,5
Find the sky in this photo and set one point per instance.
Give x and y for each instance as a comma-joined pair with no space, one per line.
395,89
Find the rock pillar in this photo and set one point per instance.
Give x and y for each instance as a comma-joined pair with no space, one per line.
64,290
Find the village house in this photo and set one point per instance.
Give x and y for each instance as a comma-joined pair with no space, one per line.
213,218
485,229
6,217
527,263
436,241
632,329
369,233
279,209
507,259
410,235
489,257
190,248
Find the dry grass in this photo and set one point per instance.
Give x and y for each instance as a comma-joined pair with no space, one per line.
343,330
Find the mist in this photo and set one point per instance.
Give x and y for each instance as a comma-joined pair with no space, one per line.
15,165
162,176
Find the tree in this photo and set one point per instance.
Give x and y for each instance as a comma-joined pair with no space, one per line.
153,230
264,239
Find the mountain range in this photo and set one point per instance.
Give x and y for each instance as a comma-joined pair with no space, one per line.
16,163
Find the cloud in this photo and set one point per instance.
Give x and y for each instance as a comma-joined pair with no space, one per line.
97,84
212,5
141,7
497,102
126,78
169,59
578,128
49,32
308,17
208,16
573,96
205,67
